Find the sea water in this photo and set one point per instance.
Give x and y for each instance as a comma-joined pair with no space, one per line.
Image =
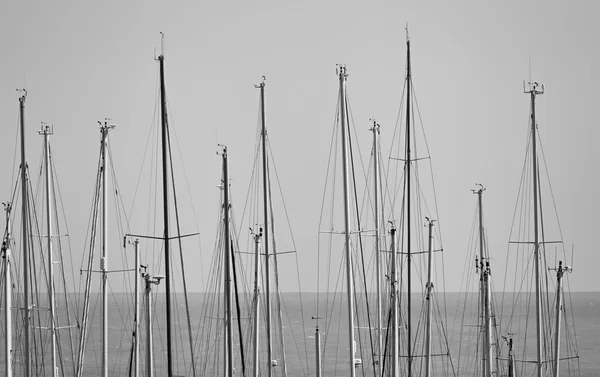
299,331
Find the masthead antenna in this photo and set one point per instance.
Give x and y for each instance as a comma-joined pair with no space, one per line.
162,47
530,69
162,43
406,29
532,87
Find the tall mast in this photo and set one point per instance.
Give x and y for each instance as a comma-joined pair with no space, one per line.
149,280
136,320
261,86
349,280
484,291
533,91
317,349
408,219
559,275
479,262
46,131
227,270
487,295
488,318
103,261
375,130
25,236
428,298
394,278
165,168
7,295
149,345
256,299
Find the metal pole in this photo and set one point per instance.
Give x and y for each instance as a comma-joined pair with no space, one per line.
103,262
511,360
428,298
256,298
538,298
349,280
24,214
149,346
375,130
408,214
165,176
488,320
7,296
227,267
46,132
318,351
482,319
261,86
557,315
394,277
136,339
486,362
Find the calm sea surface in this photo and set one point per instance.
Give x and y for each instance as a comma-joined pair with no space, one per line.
299,332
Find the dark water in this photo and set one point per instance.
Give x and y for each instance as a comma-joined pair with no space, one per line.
299,332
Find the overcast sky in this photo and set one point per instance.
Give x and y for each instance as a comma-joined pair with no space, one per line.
83,61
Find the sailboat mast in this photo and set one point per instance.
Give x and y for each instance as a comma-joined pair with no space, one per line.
256,299
395,294
408,219
318,351
559,275
375,130
24,210
485,273
428,298
7,295
136,321
538,299
488,318
479,267
46,132
349,280
165,176
103,262
149,280
266,225
227,270
484,294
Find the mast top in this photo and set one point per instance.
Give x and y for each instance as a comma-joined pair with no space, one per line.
160,57
533,88
223,151
262,83
375,127
341,71
479,189
561,269
106,126
429,221
392,226
23,93
45,129
260,232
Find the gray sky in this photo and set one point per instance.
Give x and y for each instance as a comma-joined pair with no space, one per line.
82,62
